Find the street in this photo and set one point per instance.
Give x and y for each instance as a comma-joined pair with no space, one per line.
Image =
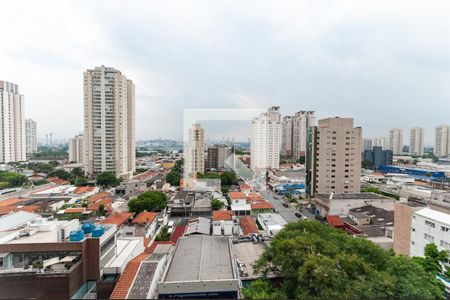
286,212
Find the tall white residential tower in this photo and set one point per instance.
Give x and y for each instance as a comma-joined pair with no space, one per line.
12,123
266,139
442,141
109,122
194,153
76,149
31,136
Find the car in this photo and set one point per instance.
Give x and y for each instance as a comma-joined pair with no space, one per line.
285,204
276,197
275,211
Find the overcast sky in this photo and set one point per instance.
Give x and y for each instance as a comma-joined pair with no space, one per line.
384,63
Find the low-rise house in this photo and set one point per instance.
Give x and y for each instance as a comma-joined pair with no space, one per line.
271,223
198,225
248,226
145,224
122,222
336,204
429,226
223,222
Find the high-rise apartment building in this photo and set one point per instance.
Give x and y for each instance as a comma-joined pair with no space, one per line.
396,140
12,123
380,141
287,130
367,144
30,136
194,153
416,137
335,157
442,141
76,149
109,122
294,132
216,156
265,140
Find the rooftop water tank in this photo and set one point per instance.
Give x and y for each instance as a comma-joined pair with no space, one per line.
87,227
76,235
98,231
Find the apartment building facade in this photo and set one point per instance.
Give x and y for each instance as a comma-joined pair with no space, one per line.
416,141
109,122
30,136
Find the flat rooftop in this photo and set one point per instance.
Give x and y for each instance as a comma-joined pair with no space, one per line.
351,196
247,253
200,258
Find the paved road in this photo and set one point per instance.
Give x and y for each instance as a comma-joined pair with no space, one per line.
285,212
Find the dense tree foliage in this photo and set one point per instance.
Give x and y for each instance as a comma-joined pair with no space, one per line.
11,179
227,178
173,178
163,235
107,179
149,201
216,204
45,152
60,174
317,261
41,167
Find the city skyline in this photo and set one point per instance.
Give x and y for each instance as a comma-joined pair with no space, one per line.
335,69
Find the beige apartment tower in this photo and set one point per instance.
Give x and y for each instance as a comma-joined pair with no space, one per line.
442,141
12,123
396,141
336,156
76,149
194,153
109,122
416,137
31,136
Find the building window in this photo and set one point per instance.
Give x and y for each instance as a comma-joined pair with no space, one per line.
445,229
428,237
445,245
413,229
430,224
413,243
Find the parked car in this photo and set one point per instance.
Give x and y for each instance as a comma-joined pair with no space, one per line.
275,211
298,215
285,204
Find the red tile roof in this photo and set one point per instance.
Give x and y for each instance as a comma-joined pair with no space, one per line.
126,279
237,195
145,175
11,201
177,233
245,187
219,215
105,201
83,189
98,196
8,209
58,180
262,205
118,218
335,221
145,217
254,197
248,225
74,210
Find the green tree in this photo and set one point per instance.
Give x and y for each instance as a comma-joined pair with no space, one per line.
216,204
163,235
149,201
101,210
60,174
224,190
173,178
428,174
77,172
107,179
320,262
366,164
11,179
228,178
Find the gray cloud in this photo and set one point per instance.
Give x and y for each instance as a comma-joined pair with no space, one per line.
383,64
